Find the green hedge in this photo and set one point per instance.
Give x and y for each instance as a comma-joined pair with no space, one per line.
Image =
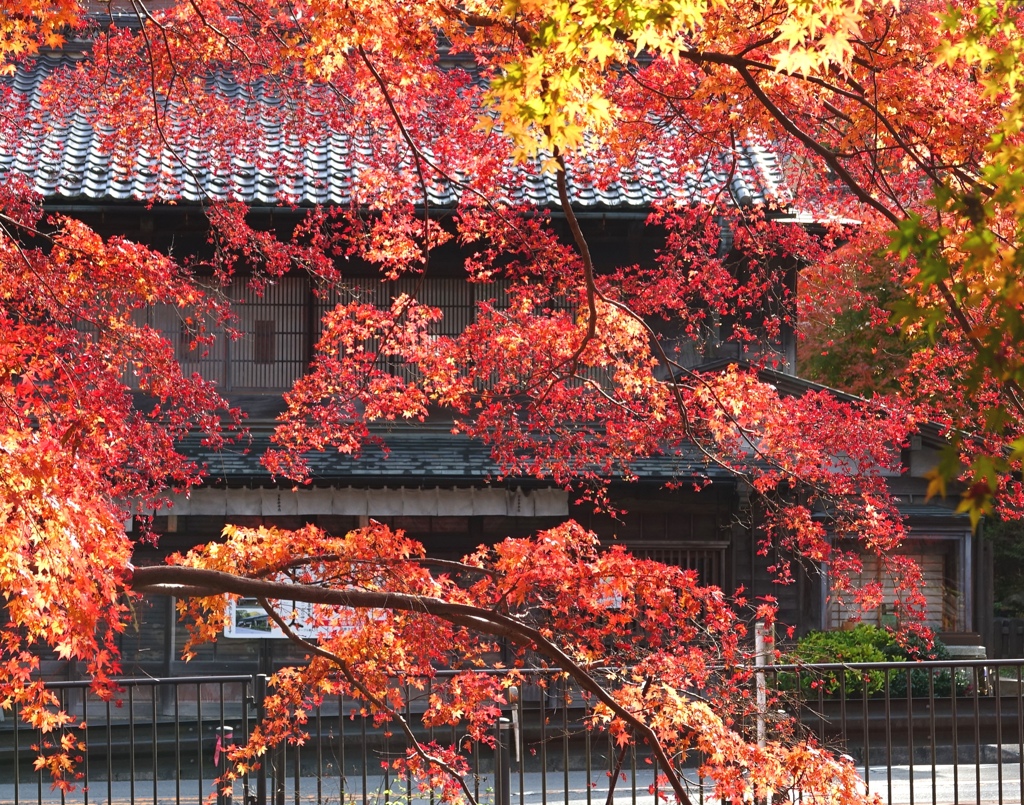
864,644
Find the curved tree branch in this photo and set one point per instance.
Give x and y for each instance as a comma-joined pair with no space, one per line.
174,580
377,701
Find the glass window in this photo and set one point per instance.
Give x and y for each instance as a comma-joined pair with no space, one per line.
942,587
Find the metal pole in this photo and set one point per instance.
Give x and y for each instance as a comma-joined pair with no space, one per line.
760,655
225,740
502,762
260,697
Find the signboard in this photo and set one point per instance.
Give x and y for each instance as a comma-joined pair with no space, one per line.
247,619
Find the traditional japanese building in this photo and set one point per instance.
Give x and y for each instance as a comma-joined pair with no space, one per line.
443,489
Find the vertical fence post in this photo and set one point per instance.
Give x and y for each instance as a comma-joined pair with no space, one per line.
259,699
761,640
225,740
502,762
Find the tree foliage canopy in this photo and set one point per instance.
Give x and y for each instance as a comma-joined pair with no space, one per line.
897,126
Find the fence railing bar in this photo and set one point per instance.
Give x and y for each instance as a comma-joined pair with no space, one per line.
199,739
342,756
319,758
155,741
248,699
177,743
259,697
999,734
544,749
1019,696
588,759
39,774
564,705
365,763
633,772
888,733
110,755
933,734
908,677
165,722
131,743
15,714
978,677
954,681
520,748
867,734
297,774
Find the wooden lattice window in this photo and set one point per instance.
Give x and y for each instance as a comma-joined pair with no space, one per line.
264,330
184,344
709,559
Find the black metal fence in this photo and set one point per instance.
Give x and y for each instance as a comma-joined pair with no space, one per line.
933,732
1007,637
947,731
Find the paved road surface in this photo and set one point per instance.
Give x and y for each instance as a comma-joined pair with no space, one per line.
949,784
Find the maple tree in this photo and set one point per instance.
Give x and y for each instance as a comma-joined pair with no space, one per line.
898,126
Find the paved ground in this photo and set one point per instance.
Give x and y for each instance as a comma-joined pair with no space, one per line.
948,784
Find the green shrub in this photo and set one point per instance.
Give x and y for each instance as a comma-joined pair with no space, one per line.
865,643
860,644
942,678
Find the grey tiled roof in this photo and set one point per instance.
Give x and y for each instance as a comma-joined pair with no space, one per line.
943,509
416,454
64,158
